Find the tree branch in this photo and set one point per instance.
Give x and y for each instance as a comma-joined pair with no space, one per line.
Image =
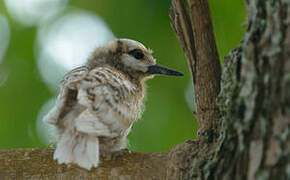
196,36
180,23
39,164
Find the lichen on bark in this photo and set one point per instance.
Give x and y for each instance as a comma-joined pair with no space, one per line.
253,100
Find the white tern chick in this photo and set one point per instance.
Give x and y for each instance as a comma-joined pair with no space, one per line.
99,102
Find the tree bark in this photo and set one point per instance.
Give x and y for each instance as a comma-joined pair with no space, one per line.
256,121
39,164
197,38
246,137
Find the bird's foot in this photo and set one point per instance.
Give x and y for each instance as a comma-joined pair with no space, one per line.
115,154
106,155
125,150
121,152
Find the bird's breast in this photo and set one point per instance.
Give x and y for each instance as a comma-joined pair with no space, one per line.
124,98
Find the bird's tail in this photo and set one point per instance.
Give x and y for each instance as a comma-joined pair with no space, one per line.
81,149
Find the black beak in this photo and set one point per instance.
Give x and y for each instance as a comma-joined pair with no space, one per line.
158,69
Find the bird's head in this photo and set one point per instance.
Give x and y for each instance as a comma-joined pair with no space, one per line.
130,57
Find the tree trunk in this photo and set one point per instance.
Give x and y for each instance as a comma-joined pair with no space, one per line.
245,135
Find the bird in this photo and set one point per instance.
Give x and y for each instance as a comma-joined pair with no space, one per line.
99,101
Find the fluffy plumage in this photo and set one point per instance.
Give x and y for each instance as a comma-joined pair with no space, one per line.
99,102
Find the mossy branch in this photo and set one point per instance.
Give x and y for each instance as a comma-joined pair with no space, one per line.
39,164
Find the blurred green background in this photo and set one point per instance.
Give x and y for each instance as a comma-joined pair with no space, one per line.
40,40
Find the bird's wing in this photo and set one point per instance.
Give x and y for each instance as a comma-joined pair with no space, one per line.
74,75
67,95
101,94
108,112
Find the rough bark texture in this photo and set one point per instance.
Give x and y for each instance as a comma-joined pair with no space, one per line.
255,143
196,35
38,164
208,70
254,108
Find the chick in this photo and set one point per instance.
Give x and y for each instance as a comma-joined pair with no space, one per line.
99,101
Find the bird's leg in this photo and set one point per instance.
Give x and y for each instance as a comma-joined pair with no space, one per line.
126,150
106,155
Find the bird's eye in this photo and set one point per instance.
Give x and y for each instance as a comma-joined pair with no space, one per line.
137,54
